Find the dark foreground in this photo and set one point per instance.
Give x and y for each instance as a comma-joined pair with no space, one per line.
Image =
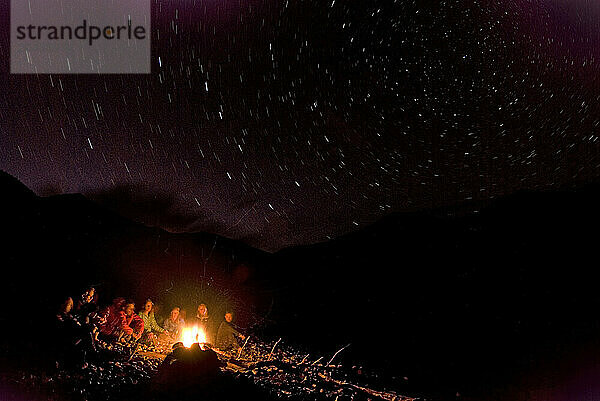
261,371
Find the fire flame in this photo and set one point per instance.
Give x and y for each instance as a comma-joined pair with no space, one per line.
191,335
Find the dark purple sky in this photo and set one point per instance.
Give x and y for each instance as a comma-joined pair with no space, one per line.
287,122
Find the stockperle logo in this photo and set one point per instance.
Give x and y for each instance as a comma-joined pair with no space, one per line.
80,37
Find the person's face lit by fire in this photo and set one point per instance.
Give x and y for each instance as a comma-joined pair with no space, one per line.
201,309
148,307
228,317
175,314
129,308
89,295
68,306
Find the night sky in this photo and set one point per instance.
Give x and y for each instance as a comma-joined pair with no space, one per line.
290,122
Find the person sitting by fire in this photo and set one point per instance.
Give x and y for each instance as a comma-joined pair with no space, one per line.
86,305
227,335
173,324
73,339
115,325
64,314
151,328
87,312
201,318
134,322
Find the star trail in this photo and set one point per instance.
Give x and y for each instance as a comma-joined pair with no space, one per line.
291,122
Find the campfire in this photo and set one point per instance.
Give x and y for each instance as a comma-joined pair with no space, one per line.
193,334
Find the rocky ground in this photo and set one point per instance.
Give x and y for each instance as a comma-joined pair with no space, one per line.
268,371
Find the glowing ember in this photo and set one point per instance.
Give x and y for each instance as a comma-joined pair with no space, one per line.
191,335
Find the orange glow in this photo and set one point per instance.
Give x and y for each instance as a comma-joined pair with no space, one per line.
191,335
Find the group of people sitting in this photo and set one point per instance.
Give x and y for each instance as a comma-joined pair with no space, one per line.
87,323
